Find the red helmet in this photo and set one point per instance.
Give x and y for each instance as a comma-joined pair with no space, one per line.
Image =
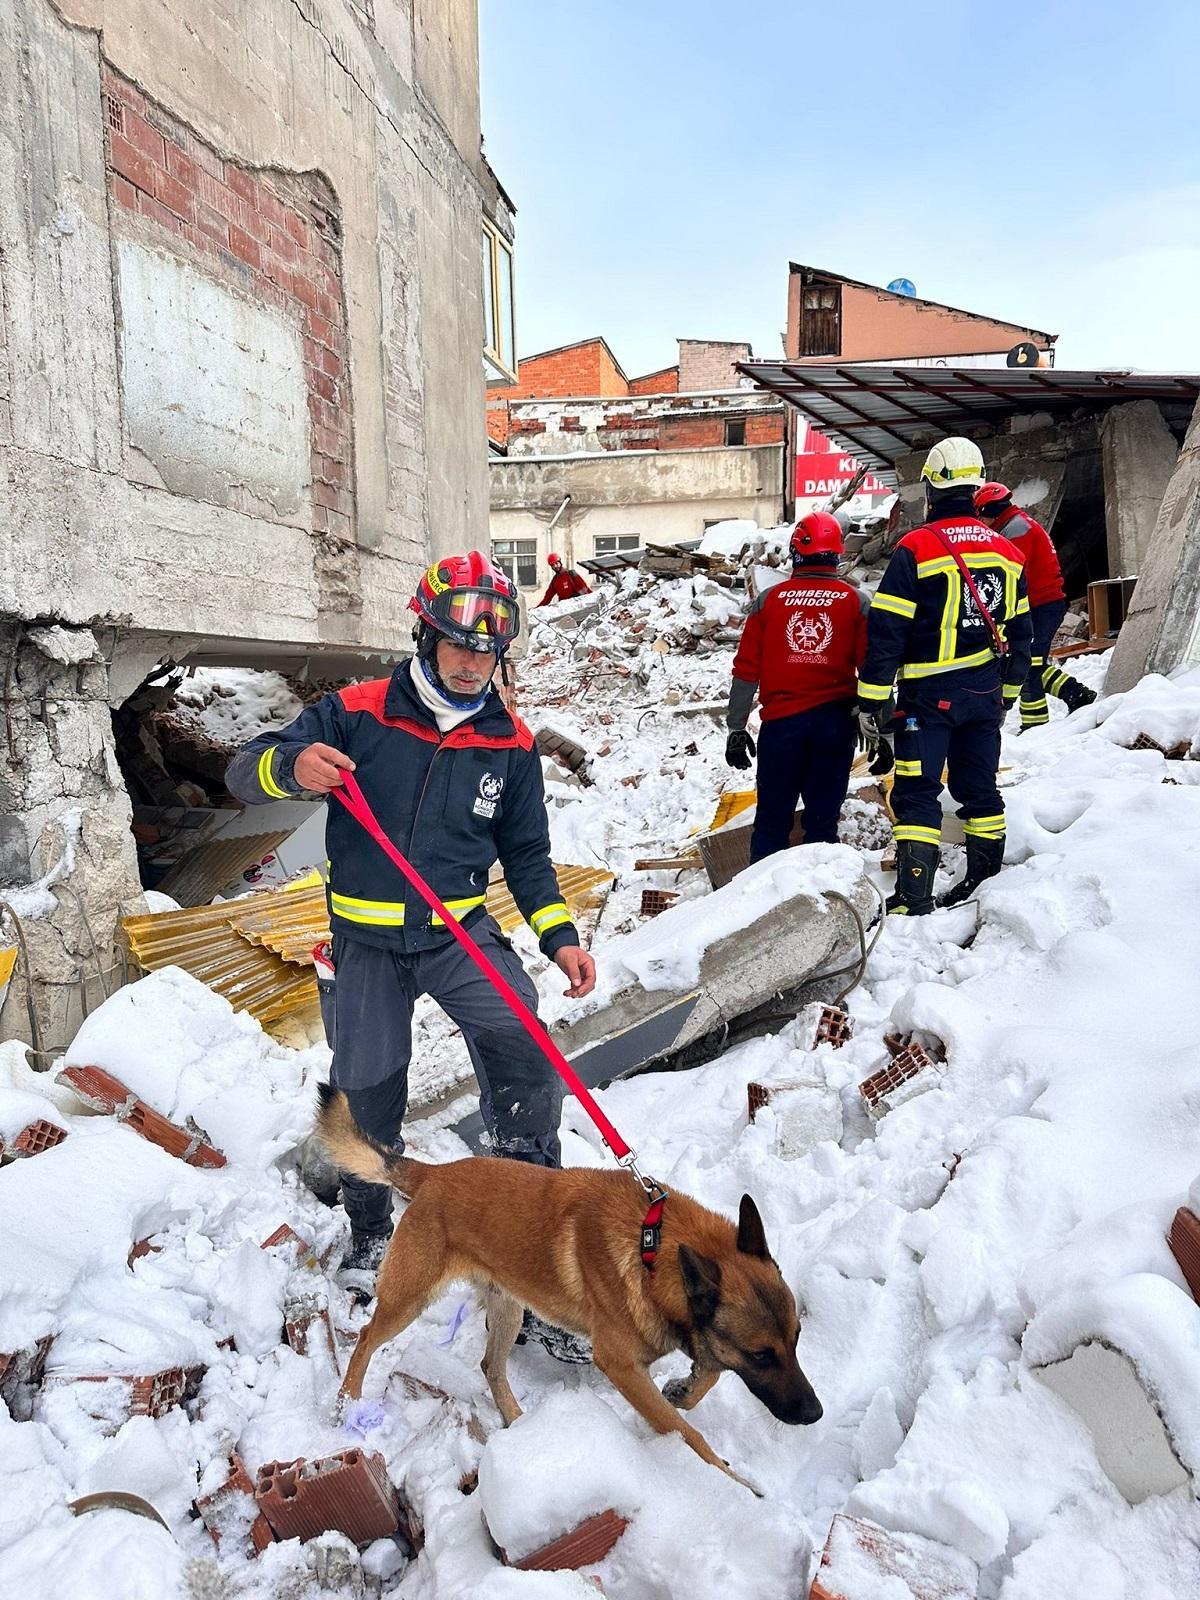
817,534
554,559
470,601
992,498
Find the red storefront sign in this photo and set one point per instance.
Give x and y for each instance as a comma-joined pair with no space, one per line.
822,473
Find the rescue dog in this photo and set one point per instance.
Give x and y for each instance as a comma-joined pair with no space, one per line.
567,1243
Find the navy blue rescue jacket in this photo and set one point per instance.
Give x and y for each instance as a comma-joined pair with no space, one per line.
453,803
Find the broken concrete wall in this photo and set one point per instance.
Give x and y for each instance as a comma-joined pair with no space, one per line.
240,367
65,828
1139,453
1162,627
117,207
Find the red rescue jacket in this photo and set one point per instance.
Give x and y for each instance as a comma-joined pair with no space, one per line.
1043,575
803,643
564,585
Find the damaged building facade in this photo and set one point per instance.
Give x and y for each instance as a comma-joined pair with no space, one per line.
591,463
240,390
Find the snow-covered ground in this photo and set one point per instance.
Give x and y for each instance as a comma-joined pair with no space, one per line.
991,1222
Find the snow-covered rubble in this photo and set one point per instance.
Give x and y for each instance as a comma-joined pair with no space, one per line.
980,1229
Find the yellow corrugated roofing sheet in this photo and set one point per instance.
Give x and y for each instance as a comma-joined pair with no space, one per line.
257,951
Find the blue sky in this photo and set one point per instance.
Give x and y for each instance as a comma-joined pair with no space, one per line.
1038,162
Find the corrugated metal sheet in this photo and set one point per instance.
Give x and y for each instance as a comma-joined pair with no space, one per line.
205,871
879,413
203,941
257,952
731,804
288,922
578,884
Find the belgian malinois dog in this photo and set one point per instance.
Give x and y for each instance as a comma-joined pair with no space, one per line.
568,1245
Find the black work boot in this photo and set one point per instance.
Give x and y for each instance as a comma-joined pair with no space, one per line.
985,857
362,1261
1075,695
916,868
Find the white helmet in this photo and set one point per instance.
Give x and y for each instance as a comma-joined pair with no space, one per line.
952,464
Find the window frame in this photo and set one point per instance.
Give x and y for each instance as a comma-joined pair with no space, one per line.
499,311
620,542
734,424
517,557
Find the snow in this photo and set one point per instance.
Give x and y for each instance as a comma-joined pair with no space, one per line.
1017,1206
232,704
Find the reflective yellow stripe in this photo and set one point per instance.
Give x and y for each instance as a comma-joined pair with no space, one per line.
551,916
265,781
894,603
951,616
985,827
916,834
981,560
873,691
1021,609
1010,691
908,769
927,669
390,913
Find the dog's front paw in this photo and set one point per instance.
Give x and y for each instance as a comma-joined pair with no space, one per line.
745,1482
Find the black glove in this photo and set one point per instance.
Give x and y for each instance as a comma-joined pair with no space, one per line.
739,747
885,759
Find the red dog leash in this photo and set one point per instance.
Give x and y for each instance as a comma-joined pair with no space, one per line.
355,802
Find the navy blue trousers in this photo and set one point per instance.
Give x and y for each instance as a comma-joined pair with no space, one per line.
949,722
805,758
375,991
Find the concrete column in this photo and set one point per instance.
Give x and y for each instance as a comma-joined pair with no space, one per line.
1162,629
68,858
1138,453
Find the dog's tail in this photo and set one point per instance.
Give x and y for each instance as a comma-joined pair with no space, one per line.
354,1151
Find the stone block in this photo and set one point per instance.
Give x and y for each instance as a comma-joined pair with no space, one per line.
1102,1387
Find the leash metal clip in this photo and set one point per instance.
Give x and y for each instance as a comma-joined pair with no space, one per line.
629,1162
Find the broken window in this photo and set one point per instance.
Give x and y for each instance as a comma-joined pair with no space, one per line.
607,544
821,320
735,431
517,558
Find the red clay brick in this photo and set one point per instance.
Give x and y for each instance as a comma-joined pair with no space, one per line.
181,166
38,1136
130,162
241,184
124,193
103,1092
1184,1239
244,247
143,137
148,206
174,194
904,1066
834,1027
584,1546
286,1236
305,1320
231,1512
656,901
348,1491
156,1393
143,1247
303,290
298,229
859,1558
318,328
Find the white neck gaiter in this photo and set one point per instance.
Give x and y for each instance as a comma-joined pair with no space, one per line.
444,714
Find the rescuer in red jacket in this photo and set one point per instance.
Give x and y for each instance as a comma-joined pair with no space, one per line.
1047,604
565,584
801,648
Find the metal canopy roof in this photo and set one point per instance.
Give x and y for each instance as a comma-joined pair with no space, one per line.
879,413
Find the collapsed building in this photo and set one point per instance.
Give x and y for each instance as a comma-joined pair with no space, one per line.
1093,455
241,342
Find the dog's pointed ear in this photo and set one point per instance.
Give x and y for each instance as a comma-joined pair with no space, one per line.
752,1238
701,1283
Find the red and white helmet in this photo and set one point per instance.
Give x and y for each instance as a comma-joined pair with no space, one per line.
554,560
469,600
992,498
817,534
